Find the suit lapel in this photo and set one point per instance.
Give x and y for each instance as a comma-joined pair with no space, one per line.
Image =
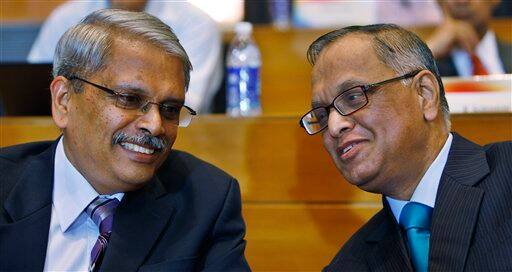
505,53
389,252
138,222
457,206
447,67
24,241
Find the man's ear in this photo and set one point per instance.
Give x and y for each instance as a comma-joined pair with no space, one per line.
427,89
60,89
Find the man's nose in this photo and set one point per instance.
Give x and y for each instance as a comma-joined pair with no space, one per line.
151,120
338,124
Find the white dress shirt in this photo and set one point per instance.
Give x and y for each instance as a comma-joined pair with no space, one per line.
72,232
486,51
426,191
197,32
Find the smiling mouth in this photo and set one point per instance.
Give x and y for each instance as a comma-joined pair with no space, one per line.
137,148
349,150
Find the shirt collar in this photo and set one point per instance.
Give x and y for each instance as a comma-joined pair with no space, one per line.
426,191
487,51
486,44
71,191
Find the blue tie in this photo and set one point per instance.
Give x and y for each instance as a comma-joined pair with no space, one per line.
415,220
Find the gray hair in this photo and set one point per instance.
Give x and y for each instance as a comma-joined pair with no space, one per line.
84,48
396,47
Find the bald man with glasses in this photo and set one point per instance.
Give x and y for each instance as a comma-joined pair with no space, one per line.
379,105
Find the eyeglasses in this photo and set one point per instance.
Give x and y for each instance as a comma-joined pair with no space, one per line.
346,103
177,114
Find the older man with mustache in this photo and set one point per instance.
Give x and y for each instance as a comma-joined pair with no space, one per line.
110,194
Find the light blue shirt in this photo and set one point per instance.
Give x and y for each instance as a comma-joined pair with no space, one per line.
426,191
72,232
487,52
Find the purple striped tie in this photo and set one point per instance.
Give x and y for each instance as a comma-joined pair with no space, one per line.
101,210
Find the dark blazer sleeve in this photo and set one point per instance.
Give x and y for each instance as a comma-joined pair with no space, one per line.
226,250
446,66
346,264
505,51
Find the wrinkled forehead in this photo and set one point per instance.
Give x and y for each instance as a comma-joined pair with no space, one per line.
143,67
353,52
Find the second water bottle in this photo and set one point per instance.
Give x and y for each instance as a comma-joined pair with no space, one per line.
243,74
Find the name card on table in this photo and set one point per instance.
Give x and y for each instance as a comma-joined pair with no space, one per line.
492,93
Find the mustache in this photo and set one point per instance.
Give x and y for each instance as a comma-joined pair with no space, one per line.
146,140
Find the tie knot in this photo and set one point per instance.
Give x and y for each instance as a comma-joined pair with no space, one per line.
101,210
415,215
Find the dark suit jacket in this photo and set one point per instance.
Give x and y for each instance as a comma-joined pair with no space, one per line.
471,223
187,218
447,67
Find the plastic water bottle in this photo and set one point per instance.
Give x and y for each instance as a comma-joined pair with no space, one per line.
243,74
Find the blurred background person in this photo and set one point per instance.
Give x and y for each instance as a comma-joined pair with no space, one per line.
408,12
332,14
464,45
198,33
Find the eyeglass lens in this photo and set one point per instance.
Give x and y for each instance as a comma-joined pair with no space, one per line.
178,116
350,100
346,103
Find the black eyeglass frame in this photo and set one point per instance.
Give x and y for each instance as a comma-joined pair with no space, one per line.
365,89
117,95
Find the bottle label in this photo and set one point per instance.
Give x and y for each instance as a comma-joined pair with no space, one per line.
243,91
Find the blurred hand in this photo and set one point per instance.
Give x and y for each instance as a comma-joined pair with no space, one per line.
452,34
